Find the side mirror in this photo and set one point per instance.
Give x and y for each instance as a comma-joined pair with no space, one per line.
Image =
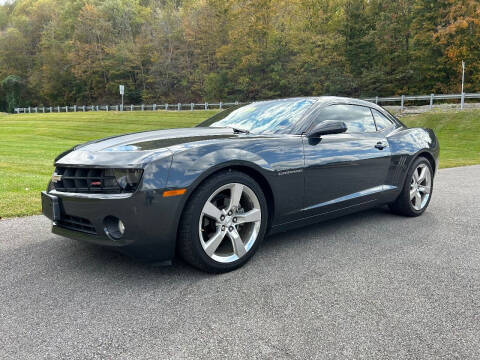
327,127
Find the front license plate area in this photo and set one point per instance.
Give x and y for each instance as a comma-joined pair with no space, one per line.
51,206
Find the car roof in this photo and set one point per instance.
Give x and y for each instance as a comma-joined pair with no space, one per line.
326,100
314,98
341,99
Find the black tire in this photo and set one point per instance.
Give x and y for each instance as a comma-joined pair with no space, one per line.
189,245
402,205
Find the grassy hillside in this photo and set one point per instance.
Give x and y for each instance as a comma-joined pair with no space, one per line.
458,133
30,142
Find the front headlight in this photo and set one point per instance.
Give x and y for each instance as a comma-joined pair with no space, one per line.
127,179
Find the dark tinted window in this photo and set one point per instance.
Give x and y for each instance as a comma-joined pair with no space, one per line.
357,118
381,120
263,117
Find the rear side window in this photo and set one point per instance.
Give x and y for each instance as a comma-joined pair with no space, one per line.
357,118
381,120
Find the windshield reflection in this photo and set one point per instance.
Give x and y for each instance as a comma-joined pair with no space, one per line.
266,117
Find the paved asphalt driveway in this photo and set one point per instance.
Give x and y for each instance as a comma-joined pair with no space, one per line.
369,285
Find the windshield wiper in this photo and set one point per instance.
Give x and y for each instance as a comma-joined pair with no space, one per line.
239,131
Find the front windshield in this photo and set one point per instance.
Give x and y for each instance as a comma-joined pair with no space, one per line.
265,117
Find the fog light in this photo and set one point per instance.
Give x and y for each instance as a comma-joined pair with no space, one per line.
121,226
114,227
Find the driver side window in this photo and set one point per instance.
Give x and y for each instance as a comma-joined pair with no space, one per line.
358,119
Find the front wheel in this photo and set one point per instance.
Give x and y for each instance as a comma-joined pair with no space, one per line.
223,223
417,189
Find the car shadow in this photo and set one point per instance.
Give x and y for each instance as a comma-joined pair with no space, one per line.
102,257
328,226
68,261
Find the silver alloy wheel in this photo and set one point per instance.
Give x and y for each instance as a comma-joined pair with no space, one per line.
230,222
420,187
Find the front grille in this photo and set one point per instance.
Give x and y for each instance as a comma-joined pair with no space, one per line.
76,223
87,180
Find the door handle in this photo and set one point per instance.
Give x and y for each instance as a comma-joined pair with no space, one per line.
381,145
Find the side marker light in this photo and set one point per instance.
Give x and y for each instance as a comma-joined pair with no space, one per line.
176,192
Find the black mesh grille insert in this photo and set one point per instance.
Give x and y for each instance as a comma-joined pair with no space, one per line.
76,223
87,180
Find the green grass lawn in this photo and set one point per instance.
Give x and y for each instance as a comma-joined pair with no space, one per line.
458,133
30,142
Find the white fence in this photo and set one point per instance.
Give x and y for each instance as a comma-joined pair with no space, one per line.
143,107
206,106
430,98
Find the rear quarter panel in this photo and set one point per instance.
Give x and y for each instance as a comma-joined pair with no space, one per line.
406,144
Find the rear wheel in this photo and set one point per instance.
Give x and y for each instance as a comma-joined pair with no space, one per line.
223,223
417,190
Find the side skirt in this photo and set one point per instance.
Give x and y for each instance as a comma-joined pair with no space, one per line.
380,195
324,216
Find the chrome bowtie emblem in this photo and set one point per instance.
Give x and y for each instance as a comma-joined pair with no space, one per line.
56,177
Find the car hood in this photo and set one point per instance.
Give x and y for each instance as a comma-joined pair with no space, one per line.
138,148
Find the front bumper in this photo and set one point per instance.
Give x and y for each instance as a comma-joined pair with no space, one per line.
150,220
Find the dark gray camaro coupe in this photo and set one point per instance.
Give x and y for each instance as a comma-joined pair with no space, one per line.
212,192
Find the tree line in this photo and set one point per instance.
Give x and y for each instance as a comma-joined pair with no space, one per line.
78,51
